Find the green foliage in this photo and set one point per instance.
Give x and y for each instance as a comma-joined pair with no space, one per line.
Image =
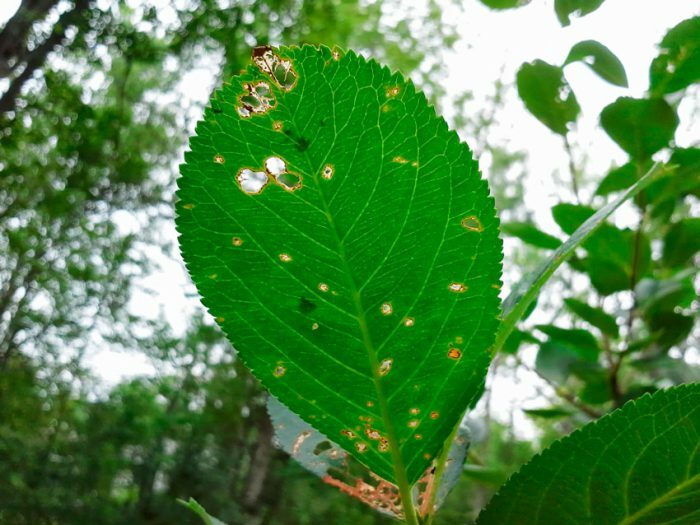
636,465
547,95
530,234
678,63
600,59
641,127
595,316
504,4
318,302
566,8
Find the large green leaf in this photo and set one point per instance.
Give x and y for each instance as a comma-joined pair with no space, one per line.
547,95
678,63
641,127
566,8
343,238
600,59
637,465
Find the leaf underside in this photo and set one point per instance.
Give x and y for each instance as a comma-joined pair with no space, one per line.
344,240
637,465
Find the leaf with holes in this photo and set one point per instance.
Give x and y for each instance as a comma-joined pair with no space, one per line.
346,243
637,465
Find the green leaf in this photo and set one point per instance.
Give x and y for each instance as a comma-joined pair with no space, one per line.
641,127
344,240
682,241
637,465
678,63
547,413
600,59
570,217
195,507
597,317
566,351
618,179
578,8
528,288
530,234
504,4
516,339
547,95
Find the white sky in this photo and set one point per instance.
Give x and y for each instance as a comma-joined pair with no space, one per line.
492,45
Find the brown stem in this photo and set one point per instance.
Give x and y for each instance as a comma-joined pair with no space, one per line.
572,168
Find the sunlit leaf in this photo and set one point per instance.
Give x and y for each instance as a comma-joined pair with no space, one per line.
600,59
344,240
565,9
547,95
641,127
637,465
678,63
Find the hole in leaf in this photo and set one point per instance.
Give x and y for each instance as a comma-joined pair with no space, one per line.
289,181
327,172
361,447
280,70
457,287
219,159
275,166
257,100
279,371
285,257
299,441
385,366
251,182
322,447
409,321
387,309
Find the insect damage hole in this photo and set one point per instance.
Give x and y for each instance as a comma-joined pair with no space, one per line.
472,224
279,70
257,99
251,182
327,172
457,287
277,169
385,366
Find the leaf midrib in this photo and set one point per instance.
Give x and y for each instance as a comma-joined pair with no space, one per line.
382,400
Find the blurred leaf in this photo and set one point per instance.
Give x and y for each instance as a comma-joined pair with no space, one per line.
665,295
278,201
678,63
570,217
607,277
595,316
515,340
528,288
486,474
681,242
663,366
547,413
670,328
547,95
565,352
600,59
566,8
504,4
635,465
195,507
684,180
641,127
618,179
530,234
314,451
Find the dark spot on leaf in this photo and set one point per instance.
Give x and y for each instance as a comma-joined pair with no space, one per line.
306,306
322,447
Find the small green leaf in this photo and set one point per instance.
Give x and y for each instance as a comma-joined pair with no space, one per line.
530,234
566,8
528,288
547,95
618,179
547,413
570,217
597,317
641,127
565,352
678,63
516,339
637,465
303,219
504,4
682,241
195,507
600,59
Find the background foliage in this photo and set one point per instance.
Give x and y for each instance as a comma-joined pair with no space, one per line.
91,131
